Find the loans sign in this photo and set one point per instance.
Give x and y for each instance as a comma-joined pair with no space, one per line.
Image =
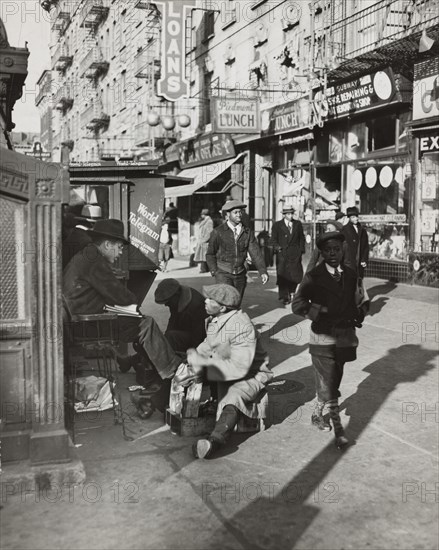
173,84
235,116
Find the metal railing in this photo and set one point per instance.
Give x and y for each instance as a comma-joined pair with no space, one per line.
60,17
93,62
94,117
61,58
382,23
147,64
93,13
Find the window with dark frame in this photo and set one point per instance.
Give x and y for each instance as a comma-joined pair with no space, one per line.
208,25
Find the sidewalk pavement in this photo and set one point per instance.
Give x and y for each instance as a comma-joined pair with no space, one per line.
287,487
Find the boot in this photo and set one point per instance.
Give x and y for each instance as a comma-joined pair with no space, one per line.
341,440
317,418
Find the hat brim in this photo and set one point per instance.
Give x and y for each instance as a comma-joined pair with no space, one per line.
109,236
333,235
240,207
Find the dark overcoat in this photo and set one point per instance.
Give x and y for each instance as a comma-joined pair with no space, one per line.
319,289
289,248
188,316
89,283
357,249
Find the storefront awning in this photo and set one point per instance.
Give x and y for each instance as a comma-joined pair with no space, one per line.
201,176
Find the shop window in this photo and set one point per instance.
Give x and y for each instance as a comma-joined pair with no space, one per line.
383,196
327,191
381,133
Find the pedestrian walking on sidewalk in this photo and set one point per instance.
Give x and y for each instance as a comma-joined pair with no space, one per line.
327,297
165,245
357,242
288,241
228,247
204,230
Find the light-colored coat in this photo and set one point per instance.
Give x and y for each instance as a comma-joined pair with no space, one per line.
204,230
236,360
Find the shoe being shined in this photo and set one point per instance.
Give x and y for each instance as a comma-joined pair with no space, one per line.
321,422
204,448
125,363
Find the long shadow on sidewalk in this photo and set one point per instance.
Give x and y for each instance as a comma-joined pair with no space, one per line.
288,516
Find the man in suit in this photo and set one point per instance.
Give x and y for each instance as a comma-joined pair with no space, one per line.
327,297
228,247
357,254
288,241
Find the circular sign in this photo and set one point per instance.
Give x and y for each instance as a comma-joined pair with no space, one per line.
371,177
398,175
382,85
416,265
386,176
357,179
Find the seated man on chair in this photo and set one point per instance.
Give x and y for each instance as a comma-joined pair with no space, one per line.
89,284
232,356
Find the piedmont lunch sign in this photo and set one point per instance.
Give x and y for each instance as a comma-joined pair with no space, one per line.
235,116
173,84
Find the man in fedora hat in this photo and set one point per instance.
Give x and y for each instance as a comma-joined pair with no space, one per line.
88,280
288,241
232,357
357,254
327,297
228,247
89,284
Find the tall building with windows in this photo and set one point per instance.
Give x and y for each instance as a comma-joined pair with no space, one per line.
104,67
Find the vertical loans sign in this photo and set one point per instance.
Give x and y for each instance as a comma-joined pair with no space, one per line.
173,84
145,216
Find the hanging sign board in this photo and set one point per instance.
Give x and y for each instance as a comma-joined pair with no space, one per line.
145,216
235,116
205,149
363,93
426,90
173,84
288,117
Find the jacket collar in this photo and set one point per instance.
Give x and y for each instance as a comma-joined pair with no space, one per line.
324,278
222,320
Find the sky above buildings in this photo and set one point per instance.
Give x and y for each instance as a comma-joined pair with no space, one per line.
25,21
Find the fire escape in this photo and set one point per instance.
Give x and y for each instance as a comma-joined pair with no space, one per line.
386,33
93,65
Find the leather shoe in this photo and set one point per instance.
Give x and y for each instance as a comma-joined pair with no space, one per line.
125,363
204,448
321,422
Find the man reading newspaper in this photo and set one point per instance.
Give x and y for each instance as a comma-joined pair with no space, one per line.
89,285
